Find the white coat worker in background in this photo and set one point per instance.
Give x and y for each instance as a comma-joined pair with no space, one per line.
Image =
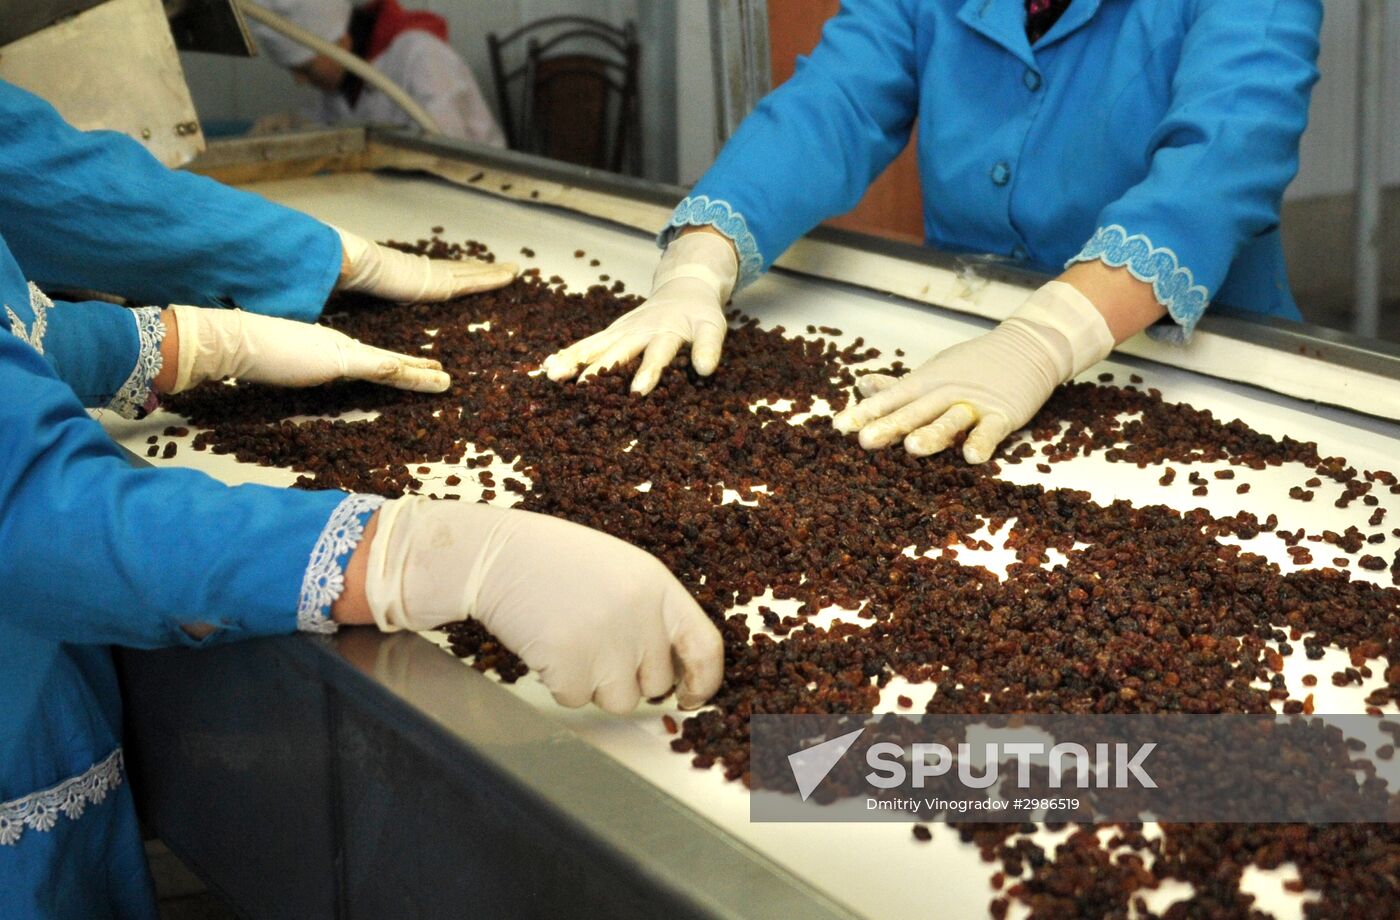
408,46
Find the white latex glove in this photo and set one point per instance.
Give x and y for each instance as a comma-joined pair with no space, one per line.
407,278
597,618
691,286
992,384
214,344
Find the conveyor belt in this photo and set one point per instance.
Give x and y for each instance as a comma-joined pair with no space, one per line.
876,869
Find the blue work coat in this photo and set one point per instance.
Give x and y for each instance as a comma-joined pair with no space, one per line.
94,552
1153,134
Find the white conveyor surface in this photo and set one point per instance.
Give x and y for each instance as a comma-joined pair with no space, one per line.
877,869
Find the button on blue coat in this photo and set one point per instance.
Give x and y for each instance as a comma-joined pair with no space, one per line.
1153,134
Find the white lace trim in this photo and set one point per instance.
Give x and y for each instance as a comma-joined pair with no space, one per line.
40,811
39,306
325,573
150,332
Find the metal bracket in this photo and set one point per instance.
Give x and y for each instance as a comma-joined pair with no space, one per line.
743,66
212,26
1370,154
112,66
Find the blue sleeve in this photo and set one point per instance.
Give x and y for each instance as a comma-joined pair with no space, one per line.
95,211
812,147
97,551
1222,156
108,355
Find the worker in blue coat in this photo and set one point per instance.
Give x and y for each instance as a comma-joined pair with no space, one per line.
1138,149
97,552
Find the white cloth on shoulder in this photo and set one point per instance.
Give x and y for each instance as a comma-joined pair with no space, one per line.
437,78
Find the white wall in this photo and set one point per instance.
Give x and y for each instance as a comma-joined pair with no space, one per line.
1329,146
226,88
469,21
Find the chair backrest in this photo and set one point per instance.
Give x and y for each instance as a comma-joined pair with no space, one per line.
567,88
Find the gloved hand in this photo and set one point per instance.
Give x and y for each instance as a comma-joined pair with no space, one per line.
691,286
599,619
214,344
406,278
992,384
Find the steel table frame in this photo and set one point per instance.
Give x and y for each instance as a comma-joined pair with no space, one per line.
368,775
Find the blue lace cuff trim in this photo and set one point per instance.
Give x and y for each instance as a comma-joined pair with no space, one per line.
1173,284
703,211
132,399
325,572
40,811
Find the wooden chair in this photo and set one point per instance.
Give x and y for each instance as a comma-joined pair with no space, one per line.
573,95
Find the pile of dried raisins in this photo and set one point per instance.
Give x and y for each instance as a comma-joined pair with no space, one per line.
1149,612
